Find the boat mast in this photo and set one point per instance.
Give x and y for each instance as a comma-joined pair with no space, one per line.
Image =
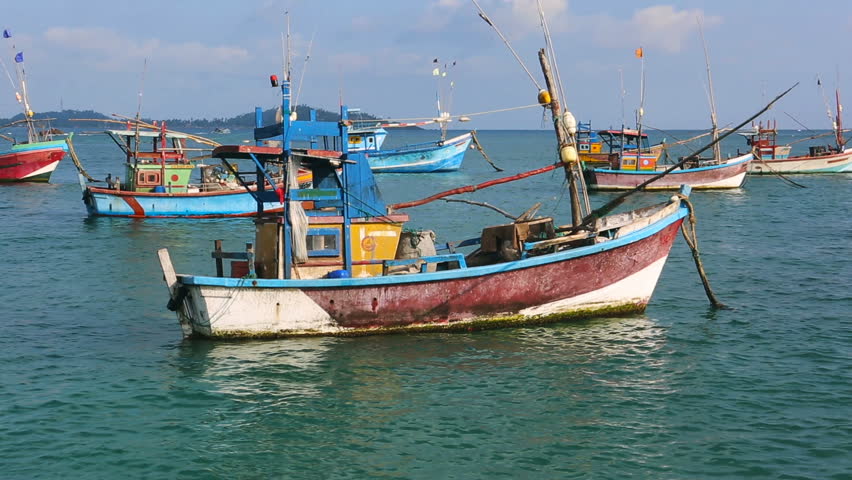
641,54
567,148
717,153
838,123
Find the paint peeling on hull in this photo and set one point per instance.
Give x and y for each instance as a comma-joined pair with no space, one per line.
461,326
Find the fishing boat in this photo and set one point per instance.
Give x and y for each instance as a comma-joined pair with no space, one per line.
698,174
442,155
31,161
602,148
157,181
337,261
635,167
36,158
428,157
771,158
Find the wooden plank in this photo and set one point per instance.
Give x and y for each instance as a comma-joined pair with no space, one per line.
169,274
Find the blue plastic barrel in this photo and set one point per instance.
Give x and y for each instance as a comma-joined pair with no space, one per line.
338,274
159,189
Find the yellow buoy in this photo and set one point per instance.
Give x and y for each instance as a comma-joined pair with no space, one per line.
568,154
543,97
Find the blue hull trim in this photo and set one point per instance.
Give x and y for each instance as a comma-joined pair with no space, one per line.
482,271
240,204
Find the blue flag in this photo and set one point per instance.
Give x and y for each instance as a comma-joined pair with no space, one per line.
19,58
7,33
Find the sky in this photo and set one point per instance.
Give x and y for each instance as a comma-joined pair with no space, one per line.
212,58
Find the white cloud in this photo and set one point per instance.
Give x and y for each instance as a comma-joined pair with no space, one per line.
661,27
107,50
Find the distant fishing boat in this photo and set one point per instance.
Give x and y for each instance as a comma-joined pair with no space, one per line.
771,158
334,263
35,159
428,157
221,130
639,166
442,155
698,175
156,182
603,148
31,161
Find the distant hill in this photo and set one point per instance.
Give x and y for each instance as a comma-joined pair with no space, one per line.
62,120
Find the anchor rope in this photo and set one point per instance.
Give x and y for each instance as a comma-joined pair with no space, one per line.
689,234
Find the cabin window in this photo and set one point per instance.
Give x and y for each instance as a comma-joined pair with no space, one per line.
323,242
584,147
148,178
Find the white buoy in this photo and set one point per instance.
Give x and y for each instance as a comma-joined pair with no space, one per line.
569,122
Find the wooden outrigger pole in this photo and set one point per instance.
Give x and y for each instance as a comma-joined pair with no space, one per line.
567,148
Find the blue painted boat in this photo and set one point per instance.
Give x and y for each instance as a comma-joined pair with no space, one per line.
440,156
156,182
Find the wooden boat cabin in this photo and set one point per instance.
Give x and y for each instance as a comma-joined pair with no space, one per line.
762,142
629,149
157,163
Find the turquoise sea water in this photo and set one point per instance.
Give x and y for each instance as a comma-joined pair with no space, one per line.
96,381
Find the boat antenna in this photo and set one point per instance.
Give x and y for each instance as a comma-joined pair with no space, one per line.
841,142
825,102
623,94
487,20
717,152
442,90
139,111
640,53
304,68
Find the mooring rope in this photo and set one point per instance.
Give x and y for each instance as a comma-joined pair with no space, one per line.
688,230
775,172
74,158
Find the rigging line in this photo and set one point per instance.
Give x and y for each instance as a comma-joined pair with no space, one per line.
825,102
800,123
397,120
487,20
8,75
304,68
548,41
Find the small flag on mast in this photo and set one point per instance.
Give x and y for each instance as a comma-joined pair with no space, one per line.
19,58
639,53
7,33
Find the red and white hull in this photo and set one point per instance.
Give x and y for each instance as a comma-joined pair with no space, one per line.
729,174
31,162
612,277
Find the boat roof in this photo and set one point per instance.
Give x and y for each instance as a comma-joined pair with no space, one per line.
246,151
272,153
627,132
144,133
